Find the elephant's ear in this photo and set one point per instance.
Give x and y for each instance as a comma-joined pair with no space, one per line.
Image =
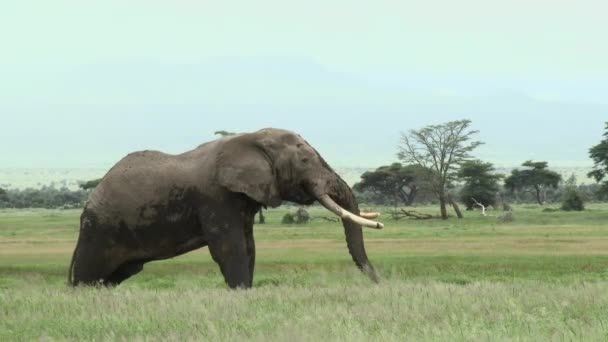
243,167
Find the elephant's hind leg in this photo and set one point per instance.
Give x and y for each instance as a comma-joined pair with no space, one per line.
123,272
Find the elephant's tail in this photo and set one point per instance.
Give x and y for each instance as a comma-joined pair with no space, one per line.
71,269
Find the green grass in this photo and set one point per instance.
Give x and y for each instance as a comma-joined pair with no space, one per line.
543,276
393,311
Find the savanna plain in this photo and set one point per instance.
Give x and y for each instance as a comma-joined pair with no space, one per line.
543,276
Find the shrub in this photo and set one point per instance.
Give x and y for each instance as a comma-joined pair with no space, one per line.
288,219
508,216
572,201
301,216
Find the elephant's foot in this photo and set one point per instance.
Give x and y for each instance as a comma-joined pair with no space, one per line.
123,272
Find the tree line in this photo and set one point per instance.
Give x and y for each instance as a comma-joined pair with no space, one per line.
435,166
48,197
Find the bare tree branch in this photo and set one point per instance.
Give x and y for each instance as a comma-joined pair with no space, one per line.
483,207
402,213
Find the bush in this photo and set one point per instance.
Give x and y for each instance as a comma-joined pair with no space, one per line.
508,216
572,201
288,219
301,216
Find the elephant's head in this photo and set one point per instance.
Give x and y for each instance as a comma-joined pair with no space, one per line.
273,165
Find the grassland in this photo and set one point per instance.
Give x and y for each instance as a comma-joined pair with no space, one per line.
542,277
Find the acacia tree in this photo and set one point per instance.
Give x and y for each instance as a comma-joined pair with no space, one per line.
401,183
480,183
439,149
599,154
223,133
536,178
92,184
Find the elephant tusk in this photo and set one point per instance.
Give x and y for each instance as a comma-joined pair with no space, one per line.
332,206
369,215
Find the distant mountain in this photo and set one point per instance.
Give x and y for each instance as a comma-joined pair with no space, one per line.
21,178
353,120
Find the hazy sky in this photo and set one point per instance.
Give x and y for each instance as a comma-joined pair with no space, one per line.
82,83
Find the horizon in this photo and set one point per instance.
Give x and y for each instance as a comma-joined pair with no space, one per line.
23,178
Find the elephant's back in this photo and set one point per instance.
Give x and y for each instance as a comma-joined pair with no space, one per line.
138,183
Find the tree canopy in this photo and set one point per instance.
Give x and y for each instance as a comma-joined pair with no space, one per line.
480,183
599,155
398,182
224,133
92,184
537,177
439,149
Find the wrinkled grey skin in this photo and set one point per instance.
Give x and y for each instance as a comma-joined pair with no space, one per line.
153,206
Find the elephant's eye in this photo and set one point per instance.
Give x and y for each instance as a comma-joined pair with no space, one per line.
304,160
298,145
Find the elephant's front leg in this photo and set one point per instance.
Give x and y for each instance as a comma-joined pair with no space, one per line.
250,252
230,252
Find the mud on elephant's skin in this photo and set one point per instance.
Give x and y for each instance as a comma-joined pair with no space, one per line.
153,206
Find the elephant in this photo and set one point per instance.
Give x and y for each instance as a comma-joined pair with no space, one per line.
153,206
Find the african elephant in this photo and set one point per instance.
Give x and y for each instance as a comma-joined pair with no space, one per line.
153,206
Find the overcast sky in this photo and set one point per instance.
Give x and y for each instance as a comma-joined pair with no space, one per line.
82,83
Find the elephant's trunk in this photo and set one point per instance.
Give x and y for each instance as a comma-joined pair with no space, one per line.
345,200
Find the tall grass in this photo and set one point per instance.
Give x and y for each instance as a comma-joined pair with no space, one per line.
542,277
393,311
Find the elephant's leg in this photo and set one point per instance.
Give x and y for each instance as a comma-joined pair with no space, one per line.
230,252
123,272
250,252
